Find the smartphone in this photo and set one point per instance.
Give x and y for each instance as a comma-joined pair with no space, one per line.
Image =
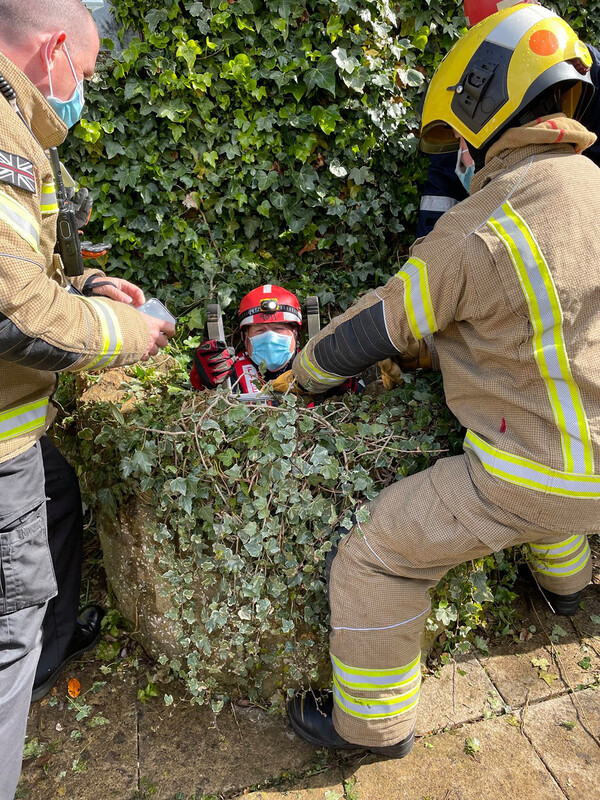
155,308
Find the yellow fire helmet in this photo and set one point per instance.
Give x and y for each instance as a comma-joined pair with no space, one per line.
498,68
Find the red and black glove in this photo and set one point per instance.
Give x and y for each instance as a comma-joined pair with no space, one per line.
212,365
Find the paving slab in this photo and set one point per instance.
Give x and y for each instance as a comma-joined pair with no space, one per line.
562,731
70,757
547,664
327,785
241,747
505,767
460,692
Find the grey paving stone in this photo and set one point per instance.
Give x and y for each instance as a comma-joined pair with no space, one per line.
505,767
539,668
571,753
184,748
462,693
326,786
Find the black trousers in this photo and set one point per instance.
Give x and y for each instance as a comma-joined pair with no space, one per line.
65,532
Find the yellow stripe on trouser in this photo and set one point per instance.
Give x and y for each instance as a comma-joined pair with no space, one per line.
549,347
49,204
417,298
561,559
20,220
349,681
417,530
112,339
23,419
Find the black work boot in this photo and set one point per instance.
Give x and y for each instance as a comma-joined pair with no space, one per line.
85,637
564,604
311,717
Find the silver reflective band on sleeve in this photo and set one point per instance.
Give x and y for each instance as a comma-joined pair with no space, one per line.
417,299
434,202
530,474
112,339
548,342
23,419
20,220
545,558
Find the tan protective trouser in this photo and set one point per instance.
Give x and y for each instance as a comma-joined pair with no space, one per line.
380,581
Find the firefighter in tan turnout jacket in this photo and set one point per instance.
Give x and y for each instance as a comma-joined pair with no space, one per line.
507,284
47,48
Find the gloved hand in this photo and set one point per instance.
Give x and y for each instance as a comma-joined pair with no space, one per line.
417,356
90,250
81,201
212,363
286,382
391,374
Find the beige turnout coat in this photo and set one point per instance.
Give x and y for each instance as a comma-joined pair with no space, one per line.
43,327
508,285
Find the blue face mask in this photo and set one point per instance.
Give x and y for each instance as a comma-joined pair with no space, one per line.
68,110
464,174
275,349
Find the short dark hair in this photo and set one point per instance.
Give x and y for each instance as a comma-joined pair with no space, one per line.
19,18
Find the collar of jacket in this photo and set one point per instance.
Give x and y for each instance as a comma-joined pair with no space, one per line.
47,127
555,132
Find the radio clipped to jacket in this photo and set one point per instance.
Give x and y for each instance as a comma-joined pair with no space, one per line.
68,245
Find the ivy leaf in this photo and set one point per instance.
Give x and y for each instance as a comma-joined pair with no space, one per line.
541,663
360,175
344,61
337,169
322,74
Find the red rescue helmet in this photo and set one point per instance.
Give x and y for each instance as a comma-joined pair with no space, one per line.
269,303
476,10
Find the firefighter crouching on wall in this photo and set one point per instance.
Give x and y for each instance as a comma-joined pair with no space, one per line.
270,320
47,49
507,285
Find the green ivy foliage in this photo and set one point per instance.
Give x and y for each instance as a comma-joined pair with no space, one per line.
235,143
247,500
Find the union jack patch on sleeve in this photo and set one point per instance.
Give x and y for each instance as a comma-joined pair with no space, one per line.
17,171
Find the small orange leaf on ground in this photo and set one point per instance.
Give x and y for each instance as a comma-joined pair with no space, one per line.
74,688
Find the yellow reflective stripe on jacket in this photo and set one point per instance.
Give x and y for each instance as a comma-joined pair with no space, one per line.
380,708
530,474
23,419
546,566
20,220
549,347
417,298
112,338
49,204
375,679
318,374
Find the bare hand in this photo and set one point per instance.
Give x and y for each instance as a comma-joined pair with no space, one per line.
122,291
160,331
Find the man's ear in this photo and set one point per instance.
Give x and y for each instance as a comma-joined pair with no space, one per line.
50,47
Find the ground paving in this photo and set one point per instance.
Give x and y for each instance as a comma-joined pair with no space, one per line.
521,723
